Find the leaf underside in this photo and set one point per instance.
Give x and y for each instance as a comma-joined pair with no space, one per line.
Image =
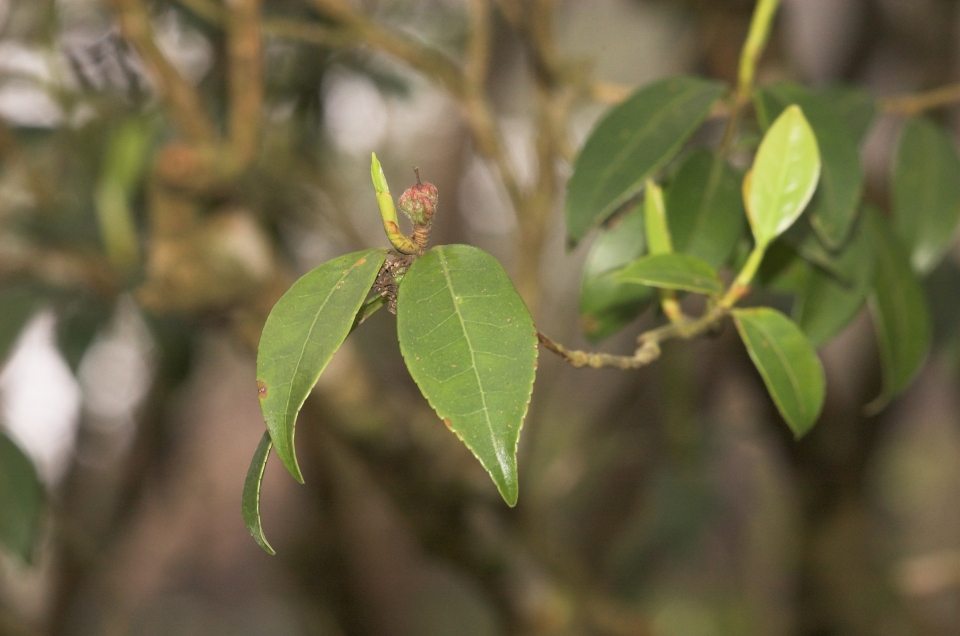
305,328
251,492
787,363
470,345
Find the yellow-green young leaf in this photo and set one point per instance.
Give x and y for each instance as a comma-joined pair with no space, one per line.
250,505
607,306
303,331
705,209
631,142
21,501
787,363
901,319
836,201
388,211
673,271
470,345
655,220
926,192
784,176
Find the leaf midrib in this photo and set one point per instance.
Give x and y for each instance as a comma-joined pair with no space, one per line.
473,359
795,383
603,182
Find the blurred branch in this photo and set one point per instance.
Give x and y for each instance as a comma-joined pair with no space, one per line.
916,103
428,61
246,80
181,96
283,28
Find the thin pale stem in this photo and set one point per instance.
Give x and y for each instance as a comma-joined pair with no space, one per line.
914,104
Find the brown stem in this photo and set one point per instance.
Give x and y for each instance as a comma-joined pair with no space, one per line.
246,80
914,104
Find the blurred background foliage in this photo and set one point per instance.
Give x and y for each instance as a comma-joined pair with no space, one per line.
154,203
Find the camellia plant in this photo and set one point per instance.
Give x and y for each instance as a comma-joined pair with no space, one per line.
669,217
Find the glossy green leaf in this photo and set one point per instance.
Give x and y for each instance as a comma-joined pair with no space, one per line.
836,201
705,210
251,492
631,142
655,220
673,271
784,176
900,316
787,363
827,303
470,345
17,305
926,192
607,306
303,331
21,501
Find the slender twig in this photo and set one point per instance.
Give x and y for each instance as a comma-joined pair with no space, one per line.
281,28
916,103
421,57
245,80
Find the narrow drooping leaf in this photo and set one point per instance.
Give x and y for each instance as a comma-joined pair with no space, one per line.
606,306
784,176
631,142
470,345
788,364
705,210
303,331
251,492
827,304
834,206
926,192
655,220
672,271
21,501
900,316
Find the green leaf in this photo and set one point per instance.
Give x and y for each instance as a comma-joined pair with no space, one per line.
783,270
673,271
828,304
21,501
251,492
631,142
17,306
834,206
784,176
655,220
470,345
900,316
606,306
303,331
788,364
856,107
705,209
926,192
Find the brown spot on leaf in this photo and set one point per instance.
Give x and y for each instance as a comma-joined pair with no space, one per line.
261,389
360,262
448,423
